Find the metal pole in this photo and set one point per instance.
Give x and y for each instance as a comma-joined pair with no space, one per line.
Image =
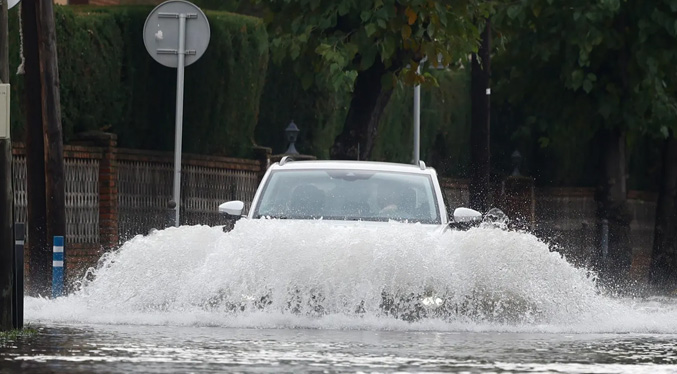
179,116
19,240
417,120
57,267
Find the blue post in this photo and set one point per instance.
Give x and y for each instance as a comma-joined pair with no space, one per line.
57,267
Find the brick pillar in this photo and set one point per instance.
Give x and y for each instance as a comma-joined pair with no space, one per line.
262,155
519,201
108,194
108,184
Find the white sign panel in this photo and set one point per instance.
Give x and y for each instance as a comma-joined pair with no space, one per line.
4,111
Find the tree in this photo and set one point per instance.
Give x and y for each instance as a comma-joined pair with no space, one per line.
606,64
367,47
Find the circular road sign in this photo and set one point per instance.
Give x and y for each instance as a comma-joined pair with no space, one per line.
161,32
12,3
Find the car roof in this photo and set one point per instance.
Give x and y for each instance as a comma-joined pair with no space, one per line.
352,165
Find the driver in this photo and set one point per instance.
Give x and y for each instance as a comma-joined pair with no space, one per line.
394,198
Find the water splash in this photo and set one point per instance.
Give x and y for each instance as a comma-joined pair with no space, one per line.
270,273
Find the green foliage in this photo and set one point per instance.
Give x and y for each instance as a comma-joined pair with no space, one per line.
348,35
569,68
109,82
85,102
223,5
13,335
615,55
318,112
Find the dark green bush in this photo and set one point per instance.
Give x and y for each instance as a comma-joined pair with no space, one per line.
318,112
109,81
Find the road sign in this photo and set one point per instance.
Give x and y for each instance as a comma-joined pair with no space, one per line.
176,34
161,32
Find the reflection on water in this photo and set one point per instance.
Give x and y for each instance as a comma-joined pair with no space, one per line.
275,296
158,349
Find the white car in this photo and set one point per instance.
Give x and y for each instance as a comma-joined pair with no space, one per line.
357,191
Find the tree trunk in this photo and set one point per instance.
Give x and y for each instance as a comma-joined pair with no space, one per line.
612,206
366,107
480,156
40,253
663,272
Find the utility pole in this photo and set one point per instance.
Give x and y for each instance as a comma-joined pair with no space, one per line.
40,265
44,142
6,195
51,124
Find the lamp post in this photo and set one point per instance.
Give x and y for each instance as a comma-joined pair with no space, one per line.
292,133
417,109
417,118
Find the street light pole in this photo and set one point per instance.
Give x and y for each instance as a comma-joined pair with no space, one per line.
417,119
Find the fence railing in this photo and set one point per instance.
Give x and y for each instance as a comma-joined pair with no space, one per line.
82,200
82,197
145,189
140,185
20,193
205,188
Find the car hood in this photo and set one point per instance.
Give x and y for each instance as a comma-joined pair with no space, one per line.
432,228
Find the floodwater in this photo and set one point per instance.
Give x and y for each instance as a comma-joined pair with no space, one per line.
300,297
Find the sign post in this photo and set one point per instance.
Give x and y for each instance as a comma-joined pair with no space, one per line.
176,34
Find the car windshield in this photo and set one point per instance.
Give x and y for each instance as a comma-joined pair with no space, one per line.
349,195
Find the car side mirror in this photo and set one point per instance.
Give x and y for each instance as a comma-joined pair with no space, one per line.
466,215
232,208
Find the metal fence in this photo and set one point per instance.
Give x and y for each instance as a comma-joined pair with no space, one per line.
203,189
82,197
82,200
20,193
145,189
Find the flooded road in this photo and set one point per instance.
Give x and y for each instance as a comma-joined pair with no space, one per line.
306,297
160,349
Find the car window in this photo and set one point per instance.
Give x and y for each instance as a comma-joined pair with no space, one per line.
349,195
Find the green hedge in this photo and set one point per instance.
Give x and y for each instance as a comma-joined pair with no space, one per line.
318,112
109,81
